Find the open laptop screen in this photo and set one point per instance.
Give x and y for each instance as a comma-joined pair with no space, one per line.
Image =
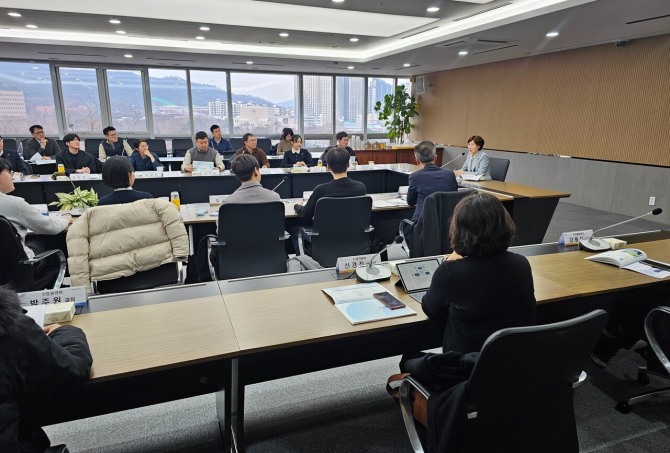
417,275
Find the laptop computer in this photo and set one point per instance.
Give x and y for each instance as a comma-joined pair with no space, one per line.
416,276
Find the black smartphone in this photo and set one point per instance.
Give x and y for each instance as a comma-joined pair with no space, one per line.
389,300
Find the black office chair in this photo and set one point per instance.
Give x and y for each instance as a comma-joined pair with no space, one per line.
519,396
250,240
61,145
180,146
341,227
166,275
265,144
236,143
92,146
158,146
10,143
657,330
16,269
498,168
429,235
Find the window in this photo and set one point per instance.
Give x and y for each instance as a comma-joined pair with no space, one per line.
126,100
407,83
377,89
264,104
317,92
349,92
210,100
81,101
169,102
26,98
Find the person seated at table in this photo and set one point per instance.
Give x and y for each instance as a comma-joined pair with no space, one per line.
202,152
25,217
220,144
477,161
337,163
38,364
118,173
428,179
249,147
74,159
142,159
246,169
113,146
12,156
286,141
297,156
343,142
46,147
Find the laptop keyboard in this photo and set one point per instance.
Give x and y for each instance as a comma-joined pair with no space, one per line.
418,296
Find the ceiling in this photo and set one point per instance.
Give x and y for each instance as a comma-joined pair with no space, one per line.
395,37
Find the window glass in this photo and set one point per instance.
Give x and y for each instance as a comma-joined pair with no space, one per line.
169,102
126,100
377,89
210,100
26,98
349,104
317,92
81,101
264,104
407,83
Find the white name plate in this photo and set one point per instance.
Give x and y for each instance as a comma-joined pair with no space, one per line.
206,173
573,237
148,174
322,169
350,263
80,176
76,294
217,199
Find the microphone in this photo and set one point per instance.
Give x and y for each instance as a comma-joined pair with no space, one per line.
280,183
376,272
597,245
460,155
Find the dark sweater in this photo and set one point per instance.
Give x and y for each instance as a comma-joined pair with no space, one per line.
291,158
477,296
343,187
123,196
73,162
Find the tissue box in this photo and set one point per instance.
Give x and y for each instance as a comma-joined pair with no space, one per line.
615,243
63,312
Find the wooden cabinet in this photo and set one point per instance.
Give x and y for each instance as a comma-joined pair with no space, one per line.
393,156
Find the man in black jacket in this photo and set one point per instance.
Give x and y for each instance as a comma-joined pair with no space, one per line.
35,362
46,147
75,160
18,165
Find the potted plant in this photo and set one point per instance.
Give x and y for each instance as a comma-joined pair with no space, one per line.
77,201
396,111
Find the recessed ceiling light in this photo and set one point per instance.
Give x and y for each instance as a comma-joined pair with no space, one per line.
463,52
31,26
114,21
128,55
433,9
249,62
552,34
14,14
200,37
283,34
353,39
350,67
121,32
338,1
406,65
204,28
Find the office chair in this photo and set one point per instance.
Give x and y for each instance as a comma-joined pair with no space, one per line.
236,143
146,236
657,330
265,144
429,235
341,227
498,168
519,396
180,146
61,145
16,269
11,144
250,241
158,146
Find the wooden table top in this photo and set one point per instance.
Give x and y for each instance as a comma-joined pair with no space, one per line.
515,189
141,339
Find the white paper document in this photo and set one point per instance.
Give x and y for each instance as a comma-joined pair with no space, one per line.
358,305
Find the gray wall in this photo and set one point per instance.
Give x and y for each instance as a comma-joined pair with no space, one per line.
609,186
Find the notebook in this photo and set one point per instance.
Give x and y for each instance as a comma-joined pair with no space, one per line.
416,276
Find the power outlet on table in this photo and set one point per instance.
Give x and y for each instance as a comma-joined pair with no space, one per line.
652,201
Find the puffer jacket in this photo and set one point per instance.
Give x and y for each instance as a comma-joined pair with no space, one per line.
109,242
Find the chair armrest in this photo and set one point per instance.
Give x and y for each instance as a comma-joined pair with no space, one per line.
308,231
369,229
62,262
406,408
212,241
580,380
284,236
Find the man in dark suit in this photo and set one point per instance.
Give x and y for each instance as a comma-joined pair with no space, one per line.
75,160
46,147
429,179
19,166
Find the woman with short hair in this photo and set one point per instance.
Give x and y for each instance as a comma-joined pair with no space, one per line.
285,142
118,174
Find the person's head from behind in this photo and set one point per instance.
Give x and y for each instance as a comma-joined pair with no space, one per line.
475,143
342,139
216,131
337,160
117,173
245,167
11,307
287,134
201,141
111,134
425,152
480,226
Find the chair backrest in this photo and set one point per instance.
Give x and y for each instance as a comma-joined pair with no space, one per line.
265,144
236,143
521,388
498,168
61,145
430,234
19,276
254,239
181,145
166,274
157,145
10,143
92,145
657,329
343,226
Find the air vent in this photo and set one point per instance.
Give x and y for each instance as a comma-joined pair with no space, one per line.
493,50
407,67
419,32
451,44
73,54
647,19
475,45
482,11
171,59
259,64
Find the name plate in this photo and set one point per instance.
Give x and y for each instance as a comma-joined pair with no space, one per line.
148,174
322,169
350,263
217,199
205,173
76,294
80,176
573,237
